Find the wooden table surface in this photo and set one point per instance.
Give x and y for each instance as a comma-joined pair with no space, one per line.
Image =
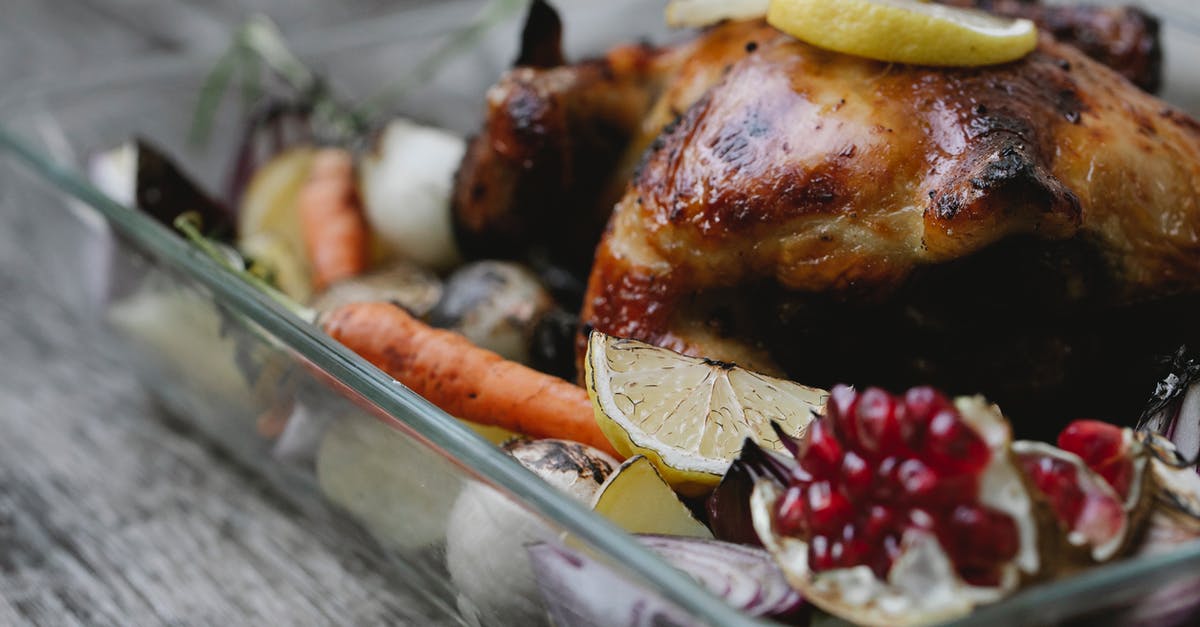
110,512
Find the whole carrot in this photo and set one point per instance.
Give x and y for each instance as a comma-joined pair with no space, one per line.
464,380
335,229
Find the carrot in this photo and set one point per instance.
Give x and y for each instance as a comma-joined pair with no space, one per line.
464,380
335,229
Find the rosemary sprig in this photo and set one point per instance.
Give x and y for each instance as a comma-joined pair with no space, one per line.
191,225
259,51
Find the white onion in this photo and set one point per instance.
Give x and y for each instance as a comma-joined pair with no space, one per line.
406,186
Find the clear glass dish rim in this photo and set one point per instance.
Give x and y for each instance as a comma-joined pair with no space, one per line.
421,417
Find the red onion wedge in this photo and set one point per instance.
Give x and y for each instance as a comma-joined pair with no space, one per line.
728,506
1174,408
581,591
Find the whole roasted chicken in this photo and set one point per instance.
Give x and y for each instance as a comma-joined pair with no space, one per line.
1029,231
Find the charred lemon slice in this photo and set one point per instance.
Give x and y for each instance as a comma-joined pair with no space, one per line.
689,416
905,31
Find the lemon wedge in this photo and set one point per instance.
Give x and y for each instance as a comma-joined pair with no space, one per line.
689,416
638,500
905,31
269,223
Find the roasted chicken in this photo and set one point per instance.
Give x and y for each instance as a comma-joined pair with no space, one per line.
1029,231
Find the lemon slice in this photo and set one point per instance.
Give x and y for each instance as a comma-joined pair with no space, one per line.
905,31
269,223
689,416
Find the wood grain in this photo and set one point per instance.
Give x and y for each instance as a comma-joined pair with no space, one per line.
110,512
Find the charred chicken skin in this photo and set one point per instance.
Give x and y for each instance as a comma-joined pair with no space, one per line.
1029,231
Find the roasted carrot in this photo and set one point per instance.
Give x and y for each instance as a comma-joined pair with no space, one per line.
335,229
464,380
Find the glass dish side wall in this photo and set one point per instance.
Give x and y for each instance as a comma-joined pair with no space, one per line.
228,370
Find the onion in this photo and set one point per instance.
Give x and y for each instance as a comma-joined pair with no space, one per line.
582,591
697,13
1174,407
729,505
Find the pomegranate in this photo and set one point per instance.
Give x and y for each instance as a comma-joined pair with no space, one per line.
901,509
1090,513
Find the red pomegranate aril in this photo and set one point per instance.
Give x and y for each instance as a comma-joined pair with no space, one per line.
819,555
840,409
953,447
920,406
828,509
887,485
922,402
853,552
822,454
879,520
1102,447
917,481
856,475
1099,518
1118,472
791,512
979,537
865,485
1093,441
877,423
921,519
1057,480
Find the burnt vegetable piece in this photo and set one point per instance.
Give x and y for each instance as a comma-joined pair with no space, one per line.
141,174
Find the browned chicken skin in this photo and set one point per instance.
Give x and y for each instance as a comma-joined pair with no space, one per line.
1029,231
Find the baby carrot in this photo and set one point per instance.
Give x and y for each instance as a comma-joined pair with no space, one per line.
464,380
335,230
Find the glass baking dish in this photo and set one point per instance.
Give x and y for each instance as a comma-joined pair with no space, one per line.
361,453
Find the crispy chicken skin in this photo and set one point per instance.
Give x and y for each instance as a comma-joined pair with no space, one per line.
808,189
559,142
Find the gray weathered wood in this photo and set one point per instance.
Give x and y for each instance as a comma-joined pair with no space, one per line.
109,513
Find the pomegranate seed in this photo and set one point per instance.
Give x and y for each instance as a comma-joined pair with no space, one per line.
856,475
920,405
921,519
979,537
876,466
1057,480
878,422
822,454
1102,447
887,486
1118,472
1094,441
840,409
917,481
854,551
923,402
879,521
828,510
953,447
791,513
1099,519
819,557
